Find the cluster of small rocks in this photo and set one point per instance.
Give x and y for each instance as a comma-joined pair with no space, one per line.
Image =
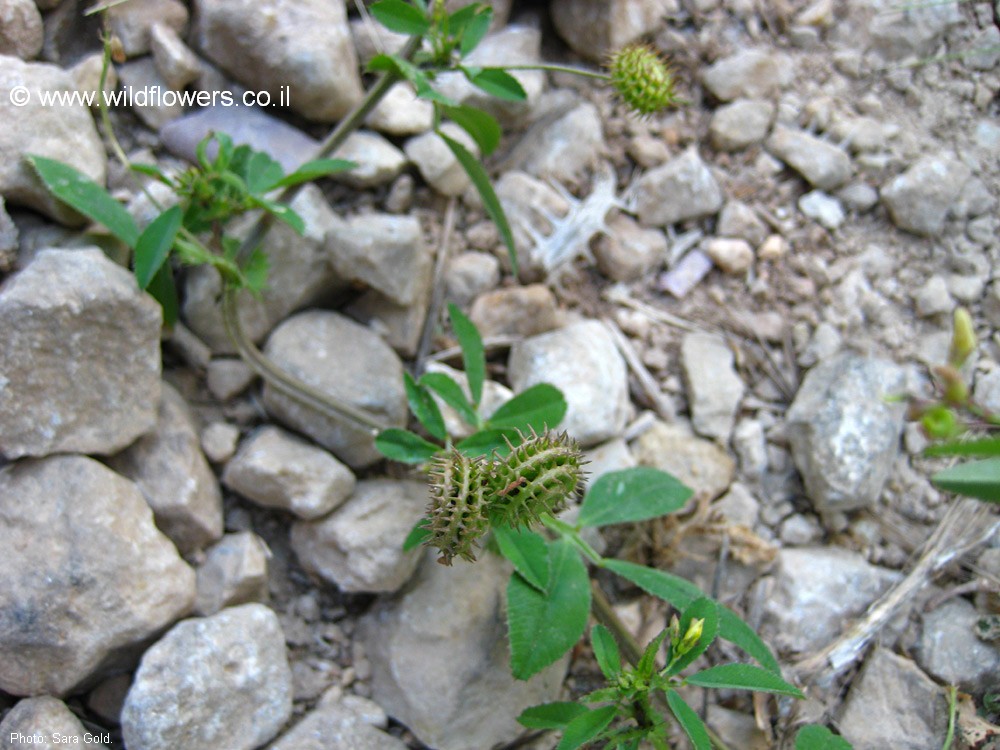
188,551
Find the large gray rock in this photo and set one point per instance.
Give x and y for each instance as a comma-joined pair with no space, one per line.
278,470
714,389
359,547
21,33
343,722
221,682
950,651
386,252
66,133
302,44
843,432
683,188
515,311
581,360
751,74
338,356
299,274
440,658
436,162
898,33
893,704
593,28
815,591
46,723
563,149
80,364
822,164
171,471
920,199
740,124
378,161
87,577
700,464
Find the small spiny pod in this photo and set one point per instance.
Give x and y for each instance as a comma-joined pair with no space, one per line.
538,476
457,510
642,79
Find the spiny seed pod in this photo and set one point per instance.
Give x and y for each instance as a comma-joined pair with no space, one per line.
642,79
538,476
457,511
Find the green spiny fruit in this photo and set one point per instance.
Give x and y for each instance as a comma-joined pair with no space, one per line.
642,79
457,511
538,476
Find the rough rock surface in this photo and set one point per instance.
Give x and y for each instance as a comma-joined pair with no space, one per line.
21,32
234,572
950,652
593,28
844,434
340,721
920,199
229,672
894,704
335,354
80,365
815,592
580,360
683,188
448,677
87,576
171,472
822,164
278,470
264,50
752,74
700,464
359,547
714,388
66,133
46,724
132,22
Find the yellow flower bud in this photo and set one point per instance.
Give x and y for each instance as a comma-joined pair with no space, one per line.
691,637
963,338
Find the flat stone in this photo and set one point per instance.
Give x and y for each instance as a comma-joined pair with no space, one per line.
65,133
822,208
173,475
401,113
470,274
899,36
823,165
178,65
336,355
933,297
683,188
858,196
581,360
740,221
265,51
359,547
378,161
142,75
686,275
751,74
289,146
893,704
386,252
920,199
437,164
448,678
234,572
339,718
564,149
299,274
227,378
45,723
815,592
88,577
218,441
629,251
132,22
713,386
740,124
234,662
278,470
80,365
515,311
843,433
21,34
700,464
732,256
593,28
950,651
400,326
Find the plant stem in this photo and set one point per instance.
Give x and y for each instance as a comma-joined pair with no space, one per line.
286,383
550,68
952,712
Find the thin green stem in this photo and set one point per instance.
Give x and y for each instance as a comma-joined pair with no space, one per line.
949,738
551,68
